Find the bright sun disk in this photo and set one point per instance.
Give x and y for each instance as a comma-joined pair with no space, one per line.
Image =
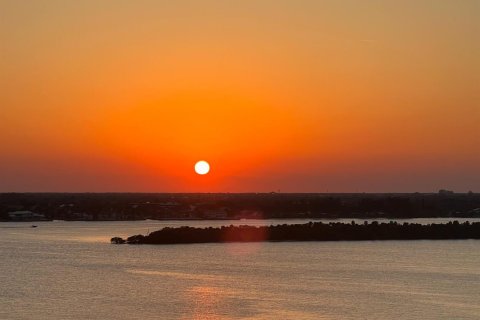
202,167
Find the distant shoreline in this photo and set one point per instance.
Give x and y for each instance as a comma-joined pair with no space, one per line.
388,219
234,206
312,231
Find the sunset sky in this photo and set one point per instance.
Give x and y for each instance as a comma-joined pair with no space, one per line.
296,96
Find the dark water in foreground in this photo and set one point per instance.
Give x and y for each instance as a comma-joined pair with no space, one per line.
68,270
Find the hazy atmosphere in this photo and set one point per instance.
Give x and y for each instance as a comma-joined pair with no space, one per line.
296,96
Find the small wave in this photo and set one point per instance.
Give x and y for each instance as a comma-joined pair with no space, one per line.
178,275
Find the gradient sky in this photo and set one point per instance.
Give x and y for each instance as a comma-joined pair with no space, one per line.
296,96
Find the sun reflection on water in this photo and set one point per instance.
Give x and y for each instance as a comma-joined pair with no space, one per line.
206,303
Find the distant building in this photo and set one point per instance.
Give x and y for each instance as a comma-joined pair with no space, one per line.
25,216
445,192
217,213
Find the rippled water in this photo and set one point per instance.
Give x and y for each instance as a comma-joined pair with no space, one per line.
68,270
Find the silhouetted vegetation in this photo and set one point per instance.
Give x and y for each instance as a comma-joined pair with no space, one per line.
309,232
139,206
117,240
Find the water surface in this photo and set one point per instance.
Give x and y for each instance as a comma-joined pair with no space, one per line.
68,270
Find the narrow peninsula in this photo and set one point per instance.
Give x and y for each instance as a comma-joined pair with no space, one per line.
312,231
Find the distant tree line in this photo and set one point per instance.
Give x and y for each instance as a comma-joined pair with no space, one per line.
139,206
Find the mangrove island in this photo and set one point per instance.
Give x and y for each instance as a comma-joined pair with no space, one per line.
312,231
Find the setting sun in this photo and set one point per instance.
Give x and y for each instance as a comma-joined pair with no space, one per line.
202,167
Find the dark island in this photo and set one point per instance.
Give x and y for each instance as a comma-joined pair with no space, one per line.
312,231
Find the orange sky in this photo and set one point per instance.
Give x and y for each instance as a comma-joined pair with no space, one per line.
297,96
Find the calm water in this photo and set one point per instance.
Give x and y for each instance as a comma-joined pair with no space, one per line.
68,270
